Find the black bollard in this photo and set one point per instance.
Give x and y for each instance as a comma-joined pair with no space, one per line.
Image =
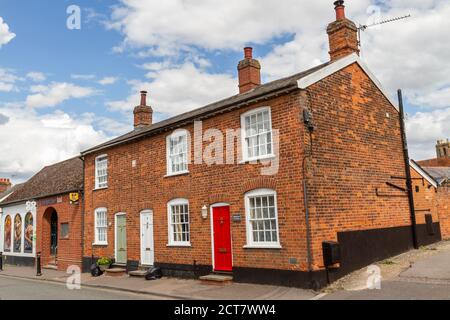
38,265
1,261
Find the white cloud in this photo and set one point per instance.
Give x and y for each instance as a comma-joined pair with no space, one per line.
8,80
5,35
6,87
108,81
83,76
179,89
211,24
424,129
36,76
55,93
30,141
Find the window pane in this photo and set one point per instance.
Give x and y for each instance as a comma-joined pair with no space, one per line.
179,223
263,224
258,135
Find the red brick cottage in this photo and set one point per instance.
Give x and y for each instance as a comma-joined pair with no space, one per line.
315,161
48,219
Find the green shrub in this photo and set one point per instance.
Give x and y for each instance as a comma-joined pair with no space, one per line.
104,261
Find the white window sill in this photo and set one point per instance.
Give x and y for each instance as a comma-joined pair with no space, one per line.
181,245
100,244
267,246
267,157
182,173
102,188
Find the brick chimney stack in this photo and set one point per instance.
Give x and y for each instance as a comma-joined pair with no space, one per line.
342,34
143,114
249,71
5,184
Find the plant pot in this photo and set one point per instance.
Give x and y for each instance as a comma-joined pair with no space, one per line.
104,267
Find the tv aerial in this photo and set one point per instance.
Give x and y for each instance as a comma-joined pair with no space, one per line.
364,27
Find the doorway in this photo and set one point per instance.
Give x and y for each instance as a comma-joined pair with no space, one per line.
222,248
121,238
147,242
53,237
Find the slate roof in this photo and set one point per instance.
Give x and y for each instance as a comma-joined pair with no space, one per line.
440,174
60,178
217,107
11,190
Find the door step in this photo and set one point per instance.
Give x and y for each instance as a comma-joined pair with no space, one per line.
216,278
50,267
115,272
119,266
138,273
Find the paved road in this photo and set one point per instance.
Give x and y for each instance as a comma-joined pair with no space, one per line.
15,289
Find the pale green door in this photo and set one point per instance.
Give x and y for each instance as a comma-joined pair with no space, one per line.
121,240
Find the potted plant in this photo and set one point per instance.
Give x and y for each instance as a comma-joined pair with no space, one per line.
104,263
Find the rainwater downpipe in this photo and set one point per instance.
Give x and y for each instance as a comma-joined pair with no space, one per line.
307,119
408,171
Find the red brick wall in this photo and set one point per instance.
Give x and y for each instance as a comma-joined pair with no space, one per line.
69,250
444,211
426,200
357,148
132,190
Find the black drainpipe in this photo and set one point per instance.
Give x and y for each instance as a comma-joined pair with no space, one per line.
307,119
408,171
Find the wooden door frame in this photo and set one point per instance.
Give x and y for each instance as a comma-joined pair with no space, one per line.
211,208
150,212
115,233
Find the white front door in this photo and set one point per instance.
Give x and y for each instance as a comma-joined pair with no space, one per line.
147,246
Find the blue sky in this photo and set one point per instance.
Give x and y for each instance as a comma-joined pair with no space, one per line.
62,90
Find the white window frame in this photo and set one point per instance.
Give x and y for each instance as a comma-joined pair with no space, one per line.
173,243
97,160
96,240
244,144
177,134
249,229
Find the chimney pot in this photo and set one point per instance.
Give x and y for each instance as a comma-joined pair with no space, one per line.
143,98
340,10
248,53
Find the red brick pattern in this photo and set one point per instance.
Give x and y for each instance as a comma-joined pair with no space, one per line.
70,249
357,149
443,198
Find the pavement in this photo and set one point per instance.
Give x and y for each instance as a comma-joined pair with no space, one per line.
422,274
166,288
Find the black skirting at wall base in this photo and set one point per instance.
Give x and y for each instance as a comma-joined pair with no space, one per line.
18,261
184,270
424,236
132,265
87,262
286,278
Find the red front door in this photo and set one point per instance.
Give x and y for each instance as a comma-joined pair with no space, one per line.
222,239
